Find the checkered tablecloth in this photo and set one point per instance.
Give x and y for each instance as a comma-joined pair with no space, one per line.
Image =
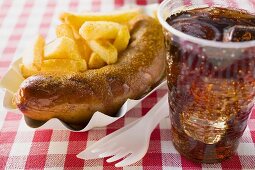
25,148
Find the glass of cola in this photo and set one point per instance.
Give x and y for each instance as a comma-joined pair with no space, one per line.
210,75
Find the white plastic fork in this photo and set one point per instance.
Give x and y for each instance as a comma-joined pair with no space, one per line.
130,142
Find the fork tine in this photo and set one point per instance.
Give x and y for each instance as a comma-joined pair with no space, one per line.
110,152
132,158
118,156
109,149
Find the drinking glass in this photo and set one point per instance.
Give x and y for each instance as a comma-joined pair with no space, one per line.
211,87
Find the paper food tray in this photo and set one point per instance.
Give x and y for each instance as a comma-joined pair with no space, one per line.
13,78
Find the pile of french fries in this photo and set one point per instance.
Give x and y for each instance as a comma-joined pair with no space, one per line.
83,41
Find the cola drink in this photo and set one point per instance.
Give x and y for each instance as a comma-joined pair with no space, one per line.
211,87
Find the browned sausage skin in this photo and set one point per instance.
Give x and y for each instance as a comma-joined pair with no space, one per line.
73,98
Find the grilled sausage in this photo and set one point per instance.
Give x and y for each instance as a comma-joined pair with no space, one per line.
73,98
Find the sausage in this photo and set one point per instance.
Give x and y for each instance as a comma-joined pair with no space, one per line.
74,97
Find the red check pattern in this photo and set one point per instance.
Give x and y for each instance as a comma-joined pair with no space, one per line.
25,148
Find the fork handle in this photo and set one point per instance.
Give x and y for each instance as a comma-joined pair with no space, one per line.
156,114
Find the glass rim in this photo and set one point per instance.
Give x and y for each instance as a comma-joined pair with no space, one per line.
196,40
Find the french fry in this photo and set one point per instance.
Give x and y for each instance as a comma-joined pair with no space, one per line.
99,30
33,56
84,49
76,32
122,39
76,20
62,48
64,65
28,71
64,30
95,61
105,50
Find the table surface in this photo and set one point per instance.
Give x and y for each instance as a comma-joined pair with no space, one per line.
25,148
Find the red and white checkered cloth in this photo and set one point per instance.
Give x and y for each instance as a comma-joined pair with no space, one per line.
25,148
